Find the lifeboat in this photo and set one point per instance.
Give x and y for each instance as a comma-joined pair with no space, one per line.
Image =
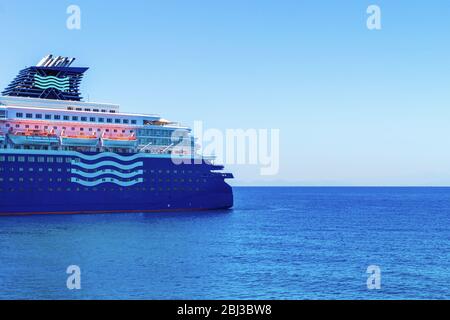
33,137
79,140
119,141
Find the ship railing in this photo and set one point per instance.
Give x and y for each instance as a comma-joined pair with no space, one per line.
209,157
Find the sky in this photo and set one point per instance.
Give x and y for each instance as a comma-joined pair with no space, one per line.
353,106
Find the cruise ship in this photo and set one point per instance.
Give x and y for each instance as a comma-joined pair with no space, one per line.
62,155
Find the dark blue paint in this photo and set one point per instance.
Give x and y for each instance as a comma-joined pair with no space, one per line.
162,188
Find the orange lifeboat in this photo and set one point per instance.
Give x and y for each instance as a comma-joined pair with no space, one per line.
119,141
33,137
79,140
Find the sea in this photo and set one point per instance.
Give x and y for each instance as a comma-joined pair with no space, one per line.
276,243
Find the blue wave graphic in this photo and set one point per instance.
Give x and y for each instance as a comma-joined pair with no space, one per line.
107,180
110,155
107,172
103,175
108,163
46,82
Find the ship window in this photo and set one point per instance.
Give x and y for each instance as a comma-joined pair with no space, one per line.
117,121
40,159
2,158
103,110
133,122
101,120
11,159
79,109
29,115
30,159
109,120
88,110
125,121
92,119
59,159
57,117
38,116
19,115
83,118
17,126
48,116
50,159
95,110
112,111
74,118
69,108
66,118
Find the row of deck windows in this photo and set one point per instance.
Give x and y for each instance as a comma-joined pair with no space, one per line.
21,179
40,116
18,126
89,110
35,159
152,189
41,159
155,132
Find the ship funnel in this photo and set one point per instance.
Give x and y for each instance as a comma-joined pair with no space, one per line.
44,60
55,61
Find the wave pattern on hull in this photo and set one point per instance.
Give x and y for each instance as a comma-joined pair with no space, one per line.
107,180
102,168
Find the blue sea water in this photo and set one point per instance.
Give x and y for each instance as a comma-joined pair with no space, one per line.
277,243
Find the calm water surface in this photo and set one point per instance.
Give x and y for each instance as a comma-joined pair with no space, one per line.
277,243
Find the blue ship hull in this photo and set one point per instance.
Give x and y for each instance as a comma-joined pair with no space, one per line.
58,182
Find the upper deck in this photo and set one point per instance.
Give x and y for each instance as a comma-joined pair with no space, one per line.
42,109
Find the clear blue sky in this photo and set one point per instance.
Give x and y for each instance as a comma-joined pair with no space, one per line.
355,107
